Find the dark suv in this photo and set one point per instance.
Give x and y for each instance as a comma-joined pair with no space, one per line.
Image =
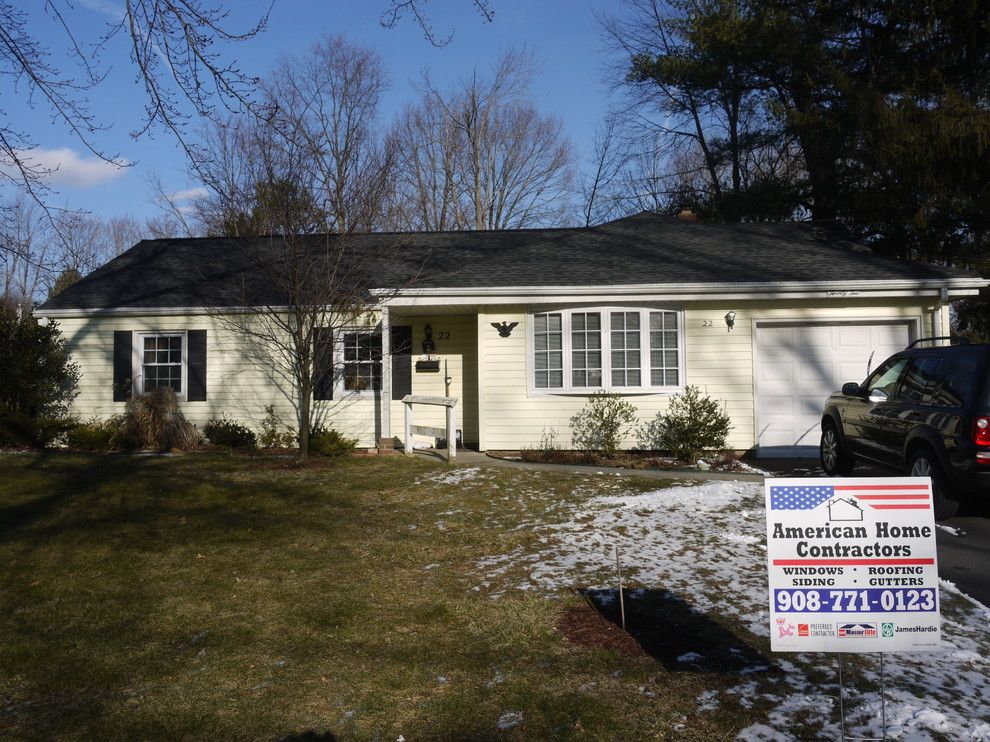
924,411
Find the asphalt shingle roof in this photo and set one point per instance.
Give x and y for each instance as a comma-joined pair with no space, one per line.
641,249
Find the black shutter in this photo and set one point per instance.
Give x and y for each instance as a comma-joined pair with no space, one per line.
401,339
323,363
122,360
196,366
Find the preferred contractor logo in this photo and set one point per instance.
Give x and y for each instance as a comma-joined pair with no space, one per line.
856,631
887,630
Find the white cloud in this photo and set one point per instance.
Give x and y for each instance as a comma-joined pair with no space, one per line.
65,166
102,6
188,193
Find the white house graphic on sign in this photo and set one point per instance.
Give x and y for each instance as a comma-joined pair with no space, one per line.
844,508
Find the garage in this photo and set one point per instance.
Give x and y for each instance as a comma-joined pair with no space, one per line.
798,364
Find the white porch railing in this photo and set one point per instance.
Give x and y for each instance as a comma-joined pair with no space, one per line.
409,400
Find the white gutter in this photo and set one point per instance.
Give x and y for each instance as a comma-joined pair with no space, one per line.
958,286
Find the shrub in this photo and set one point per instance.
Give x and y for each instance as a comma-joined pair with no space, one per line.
40,431
271,436
154,421
548,441
37,380
95,435
602,423
328,442
223,431
692,424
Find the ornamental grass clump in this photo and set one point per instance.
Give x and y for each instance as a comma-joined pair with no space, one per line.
153,421
602,423
692,425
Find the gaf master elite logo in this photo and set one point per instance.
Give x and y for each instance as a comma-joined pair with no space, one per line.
856,631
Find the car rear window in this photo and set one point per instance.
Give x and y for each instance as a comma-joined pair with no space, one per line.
957,380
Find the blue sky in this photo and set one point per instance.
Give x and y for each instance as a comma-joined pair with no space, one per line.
565,36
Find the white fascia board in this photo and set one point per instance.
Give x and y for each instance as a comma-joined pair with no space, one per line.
957,288
166,311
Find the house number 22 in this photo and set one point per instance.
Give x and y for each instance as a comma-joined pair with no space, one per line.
707,323
443,336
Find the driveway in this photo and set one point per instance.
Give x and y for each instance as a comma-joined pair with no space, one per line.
963,542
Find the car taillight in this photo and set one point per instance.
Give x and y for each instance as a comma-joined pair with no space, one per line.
981,433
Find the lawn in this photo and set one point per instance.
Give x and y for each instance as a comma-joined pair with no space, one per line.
211,596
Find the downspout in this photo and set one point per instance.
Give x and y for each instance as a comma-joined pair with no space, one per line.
943,299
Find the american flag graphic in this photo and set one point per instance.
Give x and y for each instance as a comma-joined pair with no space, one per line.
876,496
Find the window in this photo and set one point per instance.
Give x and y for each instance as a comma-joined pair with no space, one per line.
548,351
161,362
603,348
918,378
586,349
885,378
362,361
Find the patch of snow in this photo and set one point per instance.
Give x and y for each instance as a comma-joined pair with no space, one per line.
456,476
509,720
690,657
951,530
707,701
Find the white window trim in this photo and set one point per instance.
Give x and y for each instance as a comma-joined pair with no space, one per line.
137,360
338,364
644,349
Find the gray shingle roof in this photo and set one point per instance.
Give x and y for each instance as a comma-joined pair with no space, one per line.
641,249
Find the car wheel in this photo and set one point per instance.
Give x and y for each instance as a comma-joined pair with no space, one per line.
924,464
832,452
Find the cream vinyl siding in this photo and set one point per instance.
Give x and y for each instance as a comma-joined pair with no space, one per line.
240,379
718,361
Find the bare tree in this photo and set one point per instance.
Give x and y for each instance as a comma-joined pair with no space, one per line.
172,45
480,156
328,100
25,250
398,9
121,233
600,201
303,286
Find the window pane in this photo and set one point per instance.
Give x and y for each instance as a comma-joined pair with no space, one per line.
670,377
594,321
579,378
556,379
617,321
578,341
556,341
553,323
632,377
618,377
541,379
577,322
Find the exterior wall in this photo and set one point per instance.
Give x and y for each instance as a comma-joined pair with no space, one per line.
718,361
455,338
241,379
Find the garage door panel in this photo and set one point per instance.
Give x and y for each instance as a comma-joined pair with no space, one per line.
800,365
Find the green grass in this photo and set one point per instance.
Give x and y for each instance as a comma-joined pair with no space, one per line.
211,596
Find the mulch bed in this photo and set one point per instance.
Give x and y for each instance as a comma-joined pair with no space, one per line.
586,627
623,459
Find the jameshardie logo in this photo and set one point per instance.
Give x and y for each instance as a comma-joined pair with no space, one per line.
887,630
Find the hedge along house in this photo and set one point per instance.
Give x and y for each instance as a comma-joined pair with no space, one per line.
525,324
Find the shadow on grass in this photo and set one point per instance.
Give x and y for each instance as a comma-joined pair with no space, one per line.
676,634
310,736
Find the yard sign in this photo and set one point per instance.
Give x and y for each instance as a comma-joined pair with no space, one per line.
852,565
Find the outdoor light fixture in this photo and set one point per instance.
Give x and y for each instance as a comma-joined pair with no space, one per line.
730,320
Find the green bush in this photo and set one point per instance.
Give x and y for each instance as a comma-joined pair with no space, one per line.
42,431
37,380
271,436
95,435
223,431
154,421
602,423
328,442
692,425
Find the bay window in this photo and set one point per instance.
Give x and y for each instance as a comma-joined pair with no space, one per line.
616,349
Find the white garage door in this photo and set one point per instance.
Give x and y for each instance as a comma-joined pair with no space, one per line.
799,364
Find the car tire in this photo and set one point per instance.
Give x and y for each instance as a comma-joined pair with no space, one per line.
835,459
924,463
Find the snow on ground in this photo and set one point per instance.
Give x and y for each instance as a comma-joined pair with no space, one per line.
705,543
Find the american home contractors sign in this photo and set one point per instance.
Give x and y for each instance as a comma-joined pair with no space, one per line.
852,565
